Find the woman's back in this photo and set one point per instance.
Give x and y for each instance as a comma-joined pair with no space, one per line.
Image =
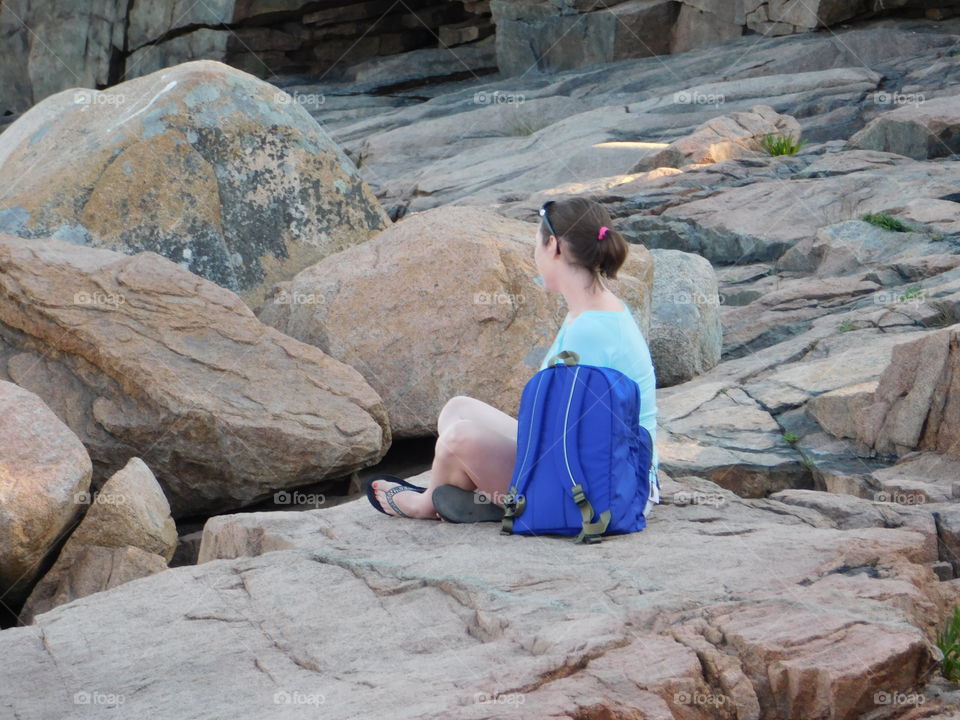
613,339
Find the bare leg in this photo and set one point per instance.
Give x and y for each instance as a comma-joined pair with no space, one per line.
470,454
463,407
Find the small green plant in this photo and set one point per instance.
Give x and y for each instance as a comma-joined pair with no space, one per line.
887,222
846,326
949,643
780,144
914,291
790,437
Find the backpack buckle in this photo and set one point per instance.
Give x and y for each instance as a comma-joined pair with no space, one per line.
513,506
580,497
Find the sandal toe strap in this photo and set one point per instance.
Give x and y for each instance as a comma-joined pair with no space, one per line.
393,491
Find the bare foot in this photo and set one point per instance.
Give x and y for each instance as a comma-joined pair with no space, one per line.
409,501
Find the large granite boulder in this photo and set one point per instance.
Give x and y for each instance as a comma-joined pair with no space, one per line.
919,128
685,333
130,509
916,404
141,357
44,468
443,303
201,163
127,533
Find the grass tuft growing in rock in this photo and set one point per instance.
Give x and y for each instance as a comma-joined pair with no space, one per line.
780,144
887,222
912,292
949,643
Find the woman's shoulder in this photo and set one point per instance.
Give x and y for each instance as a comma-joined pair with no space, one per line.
593,323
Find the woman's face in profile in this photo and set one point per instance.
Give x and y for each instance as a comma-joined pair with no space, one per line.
547,259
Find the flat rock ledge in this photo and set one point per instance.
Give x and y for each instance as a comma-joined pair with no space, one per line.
723,607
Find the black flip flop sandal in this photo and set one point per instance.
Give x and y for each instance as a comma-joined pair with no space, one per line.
457,505
403,485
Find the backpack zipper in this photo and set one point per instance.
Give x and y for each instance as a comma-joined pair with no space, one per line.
566,416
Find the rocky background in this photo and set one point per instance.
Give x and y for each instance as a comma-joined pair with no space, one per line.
249,250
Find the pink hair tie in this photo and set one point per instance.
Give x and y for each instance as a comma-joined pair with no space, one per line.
603,231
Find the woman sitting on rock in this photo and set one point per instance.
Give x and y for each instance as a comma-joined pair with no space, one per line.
477,444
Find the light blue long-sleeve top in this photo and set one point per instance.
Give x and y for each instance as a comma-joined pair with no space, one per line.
613,339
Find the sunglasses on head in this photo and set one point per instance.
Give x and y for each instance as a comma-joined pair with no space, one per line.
546,220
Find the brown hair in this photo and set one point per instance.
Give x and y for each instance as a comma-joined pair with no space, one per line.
577,221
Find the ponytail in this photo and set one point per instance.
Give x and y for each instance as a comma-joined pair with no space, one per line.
585,226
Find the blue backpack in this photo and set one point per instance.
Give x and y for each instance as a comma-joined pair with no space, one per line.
580,450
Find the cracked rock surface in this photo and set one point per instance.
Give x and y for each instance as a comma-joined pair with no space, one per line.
722,607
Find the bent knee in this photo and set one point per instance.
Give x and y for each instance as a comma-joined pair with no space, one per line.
454,409
459,437
456,403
